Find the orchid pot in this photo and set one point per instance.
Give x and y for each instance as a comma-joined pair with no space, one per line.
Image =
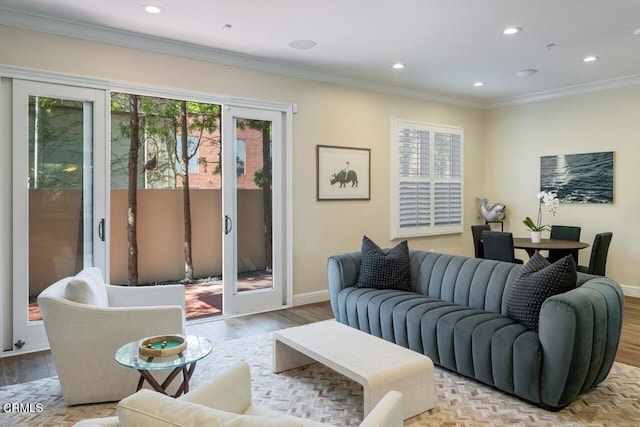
550,200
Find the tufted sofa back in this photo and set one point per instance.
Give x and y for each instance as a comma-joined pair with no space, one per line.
472,282
477,283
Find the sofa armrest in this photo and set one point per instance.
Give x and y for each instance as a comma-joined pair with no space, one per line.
140,296
579,333
229,391
342,272
387,413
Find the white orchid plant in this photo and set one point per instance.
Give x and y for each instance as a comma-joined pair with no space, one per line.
550,200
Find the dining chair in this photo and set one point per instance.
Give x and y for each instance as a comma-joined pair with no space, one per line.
498,245
476,231
599,250
564,232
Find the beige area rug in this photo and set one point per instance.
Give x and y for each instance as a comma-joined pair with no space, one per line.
319,393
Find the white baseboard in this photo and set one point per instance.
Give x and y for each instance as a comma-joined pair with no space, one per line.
630,291
310,297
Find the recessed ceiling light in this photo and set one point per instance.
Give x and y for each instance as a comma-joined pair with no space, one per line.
526,73
511,30
590,58
478,84
153,9
398,65
302,44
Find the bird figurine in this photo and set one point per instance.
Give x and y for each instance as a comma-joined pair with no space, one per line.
494,212
151,164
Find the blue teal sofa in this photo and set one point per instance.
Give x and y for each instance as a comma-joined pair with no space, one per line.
455,314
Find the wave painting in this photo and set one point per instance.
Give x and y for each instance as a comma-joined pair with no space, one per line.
579,178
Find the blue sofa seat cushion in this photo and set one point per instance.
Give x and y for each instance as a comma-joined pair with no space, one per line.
490,347
381,269
538,281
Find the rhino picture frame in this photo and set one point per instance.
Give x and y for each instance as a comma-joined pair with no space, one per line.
344,173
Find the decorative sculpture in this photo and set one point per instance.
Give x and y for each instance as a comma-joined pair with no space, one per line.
494,212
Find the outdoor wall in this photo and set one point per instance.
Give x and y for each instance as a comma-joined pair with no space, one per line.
55,218
161,234
328,114
517,136
55,236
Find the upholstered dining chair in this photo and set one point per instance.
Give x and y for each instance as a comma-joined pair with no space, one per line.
564,232
498,245
599,250
476,232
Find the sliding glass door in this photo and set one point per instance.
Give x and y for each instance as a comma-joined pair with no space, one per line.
70,192
58,195
253,224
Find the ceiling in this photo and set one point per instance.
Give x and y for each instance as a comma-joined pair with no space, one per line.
447,45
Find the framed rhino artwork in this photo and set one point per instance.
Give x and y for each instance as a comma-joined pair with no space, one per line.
343,173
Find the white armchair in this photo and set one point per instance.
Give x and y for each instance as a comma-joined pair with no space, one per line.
226,400
86,321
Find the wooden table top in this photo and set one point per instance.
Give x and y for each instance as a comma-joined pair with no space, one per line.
546,244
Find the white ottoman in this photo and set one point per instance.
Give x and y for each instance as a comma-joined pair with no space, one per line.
380,366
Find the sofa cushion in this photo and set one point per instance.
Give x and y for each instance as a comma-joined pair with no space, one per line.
537,281
148,408
380,270
87,287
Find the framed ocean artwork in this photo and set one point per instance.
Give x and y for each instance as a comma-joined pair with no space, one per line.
578,178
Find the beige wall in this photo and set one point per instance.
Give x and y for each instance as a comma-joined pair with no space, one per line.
517,136
502,147
328,114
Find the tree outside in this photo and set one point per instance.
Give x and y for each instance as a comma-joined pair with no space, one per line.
179,147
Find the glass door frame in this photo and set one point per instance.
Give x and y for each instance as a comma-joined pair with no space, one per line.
279,296
32,333
9,74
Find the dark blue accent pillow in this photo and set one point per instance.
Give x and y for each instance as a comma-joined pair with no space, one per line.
382,269
537,281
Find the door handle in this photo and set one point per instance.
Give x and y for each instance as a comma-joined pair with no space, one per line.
228,223
101,229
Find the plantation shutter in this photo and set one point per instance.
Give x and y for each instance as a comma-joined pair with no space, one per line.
448,177
427,179
415,189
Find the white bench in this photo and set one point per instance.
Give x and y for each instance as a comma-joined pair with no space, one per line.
378,365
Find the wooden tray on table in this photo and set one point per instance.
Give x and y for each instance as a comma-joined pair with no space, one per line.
162,345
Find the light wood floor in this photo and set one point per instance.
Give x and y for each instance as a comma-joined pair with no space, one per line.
629,348
29,367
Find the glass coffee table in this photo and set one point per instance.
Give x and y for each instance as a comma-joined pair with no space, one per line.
185,362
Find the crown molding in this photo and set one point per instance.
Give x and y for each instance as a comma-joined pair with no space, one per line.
599,86
128,39
57,26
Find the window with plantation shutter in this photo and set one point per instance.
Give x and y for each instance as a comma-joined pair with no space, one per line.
426,179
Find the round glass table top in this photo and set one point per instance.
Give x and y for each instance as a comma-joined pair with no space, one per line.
129,355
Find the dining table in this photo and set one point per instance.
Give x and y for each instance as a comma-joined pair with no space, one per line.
547,244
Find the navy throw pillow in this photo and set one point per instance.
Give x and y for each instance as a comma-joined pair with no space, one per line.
537,281
382,269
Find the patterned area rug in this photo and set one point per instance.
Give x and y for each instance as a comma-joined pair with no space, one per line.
319,393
